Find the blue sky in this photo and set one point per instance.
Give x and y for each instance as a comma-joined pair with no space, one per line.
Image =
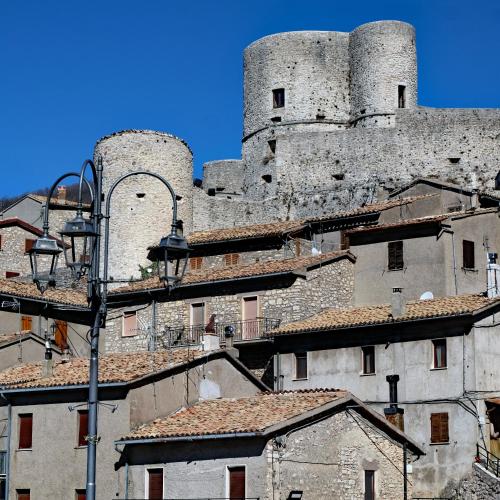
72,72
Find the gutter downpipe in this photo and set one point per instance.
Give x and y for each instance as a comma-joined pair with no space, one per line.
405,473
7,456
126,480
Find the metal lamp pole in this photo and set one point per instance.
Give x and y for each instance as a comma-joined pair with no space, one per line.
170,252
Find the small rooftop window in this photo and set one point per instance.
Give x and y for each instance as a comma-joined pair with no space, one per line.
278,98
401,96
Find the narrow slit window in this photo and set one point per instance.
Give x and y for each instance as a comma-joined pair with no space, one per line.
272,145
401,96
83,422
278,98
468,254
25,431
369,485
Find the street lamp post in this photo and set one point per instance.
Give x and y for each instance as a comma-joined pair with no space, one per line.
80,234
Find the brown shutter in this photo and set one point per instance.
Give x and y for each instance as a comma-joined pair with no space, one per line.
237,483
25,431
129,323
26,322
81,495
11,274
468,254
23,494
195,263
61,334
439,428
344,240
155,484
28,244
395,255
231,259
83,423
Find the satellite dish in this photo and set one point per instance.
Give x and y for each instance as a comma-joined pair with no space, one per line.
427,296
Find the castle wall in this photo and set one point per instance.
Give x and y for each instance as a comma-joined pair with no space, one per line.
226,174
141,206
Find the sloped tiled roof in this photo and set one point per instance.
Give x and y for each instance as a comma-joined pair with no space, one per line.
245,232
16,221
242,415
242,271
54,201
68,296
333,319
115,367
6,338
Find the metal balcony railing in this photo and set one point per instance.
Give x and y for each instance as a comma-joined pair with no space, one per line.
488,460
243,330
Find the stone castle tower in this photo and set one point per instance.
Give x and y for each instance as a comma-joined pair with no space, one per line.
331,120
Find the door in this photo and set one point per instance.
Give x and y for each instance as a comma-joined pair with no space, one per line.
197,321
250,328
155,484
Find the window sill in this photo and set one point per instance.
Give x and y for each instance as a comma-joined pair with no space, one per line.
470,270
299,379
394,270
24,449
84,447
367,374
438,369
439,444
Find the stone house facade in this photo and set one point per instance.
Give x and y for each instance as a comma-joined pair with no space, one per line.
134,389
444,352
319,444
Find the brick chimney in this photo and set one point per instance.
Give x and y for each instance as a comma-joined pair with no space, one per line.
394,414
61,193
398,303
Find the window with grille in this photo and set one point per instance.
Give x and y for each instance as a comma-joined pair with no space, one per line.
395,255
237,483
301,365
231,259
195,263
278,98
155,484
368,361
439,353
439,428
83,423
25,431
26,322
28,244
369,485
468,254
129,324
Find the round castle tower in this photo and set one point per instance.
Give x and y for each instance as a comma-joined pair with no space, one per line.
141,206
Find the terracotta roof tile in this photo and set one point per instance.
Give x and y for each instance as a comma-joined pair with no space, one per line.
242,271
242,415
333,319
245,232
68,296
5,338
115,367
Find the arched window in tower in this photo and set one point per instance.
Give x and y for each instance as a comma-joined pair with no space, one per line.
401,96
497,181
278,98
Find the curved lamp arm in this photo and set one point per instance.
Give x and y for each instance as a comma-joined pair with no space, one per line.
108,210
86,163
51,192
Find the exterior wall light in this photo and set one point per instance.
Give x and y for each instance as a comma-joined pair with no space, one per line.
44,255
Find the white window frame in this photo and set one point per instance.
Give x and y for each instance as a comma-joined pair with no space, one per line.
146,479
232,466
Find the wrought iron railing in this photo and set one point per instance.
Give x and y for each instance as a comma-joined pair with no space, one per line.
241,330
488,460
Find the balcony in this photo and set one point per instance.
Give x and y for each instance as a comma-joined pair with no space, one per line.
243,330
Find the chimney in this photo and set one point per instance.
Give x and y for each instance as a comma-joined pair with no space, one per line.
474,200
48,363
61,193
398,303
394,414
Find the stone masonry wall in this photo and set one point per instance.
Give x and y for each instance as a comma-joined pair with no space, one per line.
328,459
478,485
328,286
12,255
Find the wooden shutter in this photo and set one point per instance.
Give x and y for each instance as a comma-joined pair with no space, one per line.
468,254
231,259
25,431
395,255
81,495
28,244
297,248
237,483
439,428
344,240
155,482
11,274
61,334
195,263
26,322
83,423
